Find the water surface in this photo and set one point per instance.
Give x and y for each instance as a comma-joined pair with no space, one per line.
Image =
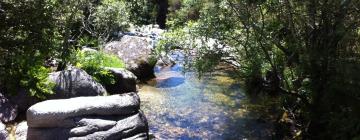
181,106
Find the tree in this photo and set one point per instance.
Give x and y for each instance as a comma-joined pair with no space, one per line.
26,40
307,52
142,12
33,32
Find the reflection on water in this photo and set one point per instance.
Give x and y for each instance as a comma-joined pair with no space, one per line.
181,106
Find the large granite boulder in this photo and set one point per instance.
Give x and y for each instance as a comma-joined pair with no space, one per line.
68,83
60,110
136,53
102,117
74,82
4,135
125,81
8,110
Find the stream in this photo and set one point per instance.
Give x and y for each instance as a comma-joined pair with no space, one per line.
182,106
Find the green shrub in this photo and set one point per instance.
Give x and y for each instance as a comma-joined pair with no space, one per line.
94,62
37,82
112,61
182,11
88,41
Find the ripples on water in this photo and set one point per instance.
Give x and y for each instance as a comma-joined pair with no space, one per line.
181,106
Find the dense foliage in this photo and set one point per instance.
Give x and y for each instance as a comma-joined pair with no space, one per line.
34,33
95,63
142,12
26,40
306,52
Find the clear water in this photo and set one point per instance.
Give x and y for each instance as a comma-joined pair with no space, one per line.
182,106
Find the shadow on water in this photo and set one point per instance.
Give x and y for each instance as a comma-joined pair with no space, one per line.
182,106
170,82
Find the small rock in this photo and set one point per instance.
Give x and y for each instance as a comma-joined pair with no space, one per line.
8,110
21,131
125,81
86,49
3,133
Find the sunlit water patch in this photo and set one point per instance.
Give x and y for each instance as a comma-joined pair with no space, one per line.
182,106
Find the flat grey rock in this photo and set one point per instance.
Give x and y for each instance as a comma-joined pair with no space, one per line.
55,113
118,127
124,128
88,125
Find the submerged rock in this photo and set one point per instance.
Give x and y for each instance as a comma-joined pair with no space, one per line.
125,81
74,83
8,110
136,53
101,117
